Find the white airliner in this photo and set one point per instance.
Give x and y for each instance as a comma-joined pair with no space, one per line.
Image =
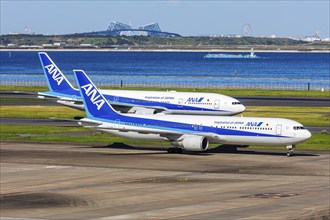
189,132
139,102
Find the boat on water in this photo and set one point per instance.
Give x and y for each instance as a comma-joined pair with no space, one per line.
232,56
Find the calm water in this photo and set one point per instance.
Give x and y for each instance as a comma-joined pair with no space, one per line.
174,68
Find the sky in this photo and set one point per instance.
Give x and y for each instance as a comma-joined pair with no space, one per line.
294,18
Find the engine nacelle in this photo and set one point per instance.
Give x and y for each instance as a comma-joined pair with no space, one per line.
142,111
192,143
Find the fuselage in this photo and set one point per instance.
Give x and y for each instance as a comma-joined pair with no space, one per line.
166,102
224,130
177,102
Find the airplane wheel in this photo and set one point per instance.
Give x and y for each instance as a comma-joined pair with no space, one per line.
174,150
178,150
289,153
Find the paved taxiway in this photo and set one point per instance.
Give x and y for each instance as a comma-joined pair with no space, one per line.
52,181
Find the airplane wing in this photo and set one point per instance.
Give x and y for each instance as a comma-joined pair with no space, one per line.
57,96
169,134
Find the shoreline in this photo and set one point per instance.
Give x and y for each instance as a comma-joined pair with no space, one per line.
158,50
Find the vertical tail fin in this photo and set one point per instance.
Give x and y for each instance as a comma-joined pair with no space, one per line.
96,106
56,80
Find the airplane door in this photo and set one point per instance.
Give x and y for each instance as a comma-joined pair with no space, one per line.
216,104
278,129
180,103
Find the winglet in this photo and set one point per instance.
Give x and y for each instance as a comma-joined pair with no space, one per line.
57,82
96,105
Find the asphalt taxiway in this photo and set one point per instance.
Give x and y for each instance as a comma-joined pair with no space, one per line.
53,181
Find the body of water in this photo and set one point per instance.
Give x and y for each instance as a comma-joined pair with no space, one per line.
175,69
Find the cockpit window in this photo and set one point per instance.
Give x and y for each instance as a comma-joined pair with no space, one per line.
235,103
299,128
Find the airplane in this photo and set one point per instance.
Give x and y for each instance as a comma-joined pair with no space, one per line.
138,102
186,132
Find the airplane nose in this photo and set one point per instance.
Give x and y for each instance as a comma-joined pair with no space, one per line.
240,108
308,134
305,134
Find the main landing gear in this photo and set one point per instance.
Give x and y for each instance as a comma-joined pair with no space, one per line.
290,150
174,150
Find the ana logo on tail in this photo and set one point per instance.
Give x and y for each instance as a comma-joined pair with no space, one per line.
96,100
55,73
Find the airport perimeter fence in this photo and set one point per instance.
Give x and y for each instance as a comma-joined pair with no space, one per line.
196,85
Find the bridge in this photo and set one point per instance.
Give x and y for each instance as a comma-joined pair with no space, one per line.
119,29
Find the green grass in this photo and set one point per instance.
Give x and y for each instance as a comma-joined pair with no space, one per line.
316,142
55,134
229,92
24,88
308,116
49,134
2,100
40,112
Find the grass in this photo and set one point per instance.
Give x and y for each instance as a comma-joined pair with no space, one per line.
229,92
24,88
40,112
57,134
316,142
308,116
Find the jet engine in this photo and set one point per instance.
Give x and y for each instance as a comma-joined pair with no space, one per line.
192,143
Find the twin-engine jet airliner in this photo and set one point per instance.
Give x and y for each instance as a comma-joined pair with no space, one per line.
189,132
139,102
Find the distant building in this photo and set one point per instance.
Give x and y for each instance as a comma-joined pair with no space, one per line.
60,44
47,45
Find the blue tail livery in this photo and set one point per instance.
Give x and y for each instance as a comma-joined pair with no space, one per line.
94,102
58,84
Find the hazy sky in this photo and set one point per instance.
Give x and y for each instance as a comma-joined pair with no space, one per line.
283,18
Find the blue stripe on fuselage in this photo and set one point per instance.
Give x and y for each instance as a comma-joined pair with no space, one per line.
133,102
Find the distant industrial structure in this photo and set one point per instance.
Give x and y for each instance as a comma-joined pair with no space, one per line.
119,29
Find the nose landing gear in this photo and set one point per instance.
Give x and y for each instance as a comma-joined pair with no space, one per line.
290,150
